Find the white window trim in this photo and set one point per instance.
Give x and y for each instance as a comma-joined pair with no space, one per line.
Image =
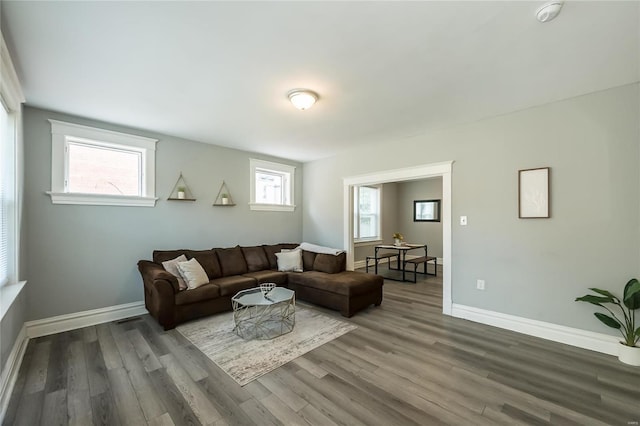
61,131
269,165
9,84
367,242
378,238
12,96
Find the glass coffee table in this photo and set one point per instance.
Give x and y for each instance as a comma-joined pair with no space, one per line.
263,317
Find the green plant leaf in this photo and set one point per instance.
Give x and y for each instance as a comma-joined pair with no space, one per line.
594,300
603,292
631,294
607,320
638,332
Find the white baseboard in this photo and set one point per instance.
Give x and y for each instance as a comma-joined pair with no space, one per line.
61,323
598,342
10,370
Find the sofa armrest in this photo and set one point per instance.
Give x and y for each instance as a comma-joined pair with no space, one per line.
329,263
155,275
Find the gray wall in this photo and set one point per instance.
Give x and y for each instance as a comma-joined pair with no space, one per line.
84,257
533,268
429,233
10,326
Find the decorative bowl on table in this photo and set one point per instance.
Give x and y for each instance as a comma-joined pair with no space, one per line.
265,288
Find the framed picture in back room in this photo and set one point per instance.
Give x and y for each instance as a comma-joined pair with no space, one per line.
426,211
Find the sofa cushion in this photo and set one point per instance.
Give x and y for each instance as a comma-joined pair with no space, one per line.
205,292
279,278
290,260
208,260
329,263
172,267
229,286
271,250
193,274
256,258
346,283
231,261
308,257
160,256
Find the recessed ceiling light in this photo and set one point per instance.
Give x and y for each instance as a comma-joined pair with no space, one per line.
302,98
549,11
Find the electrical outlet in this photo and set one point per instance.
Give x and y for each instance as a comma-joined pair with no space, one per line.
480,284
463,220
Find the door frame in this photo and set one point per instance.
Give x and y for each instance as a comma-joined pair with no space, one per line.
444,170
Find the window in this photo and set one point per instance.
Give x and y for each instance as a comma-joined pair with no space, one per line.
101,170
101,167
11,182
271,186
366,210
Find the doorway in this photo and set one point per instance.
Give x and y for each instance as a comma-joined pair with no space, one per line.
400,175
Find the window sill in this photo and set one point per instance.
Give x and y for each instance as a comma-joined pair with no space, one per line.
101,199
272,207
365,243
8,295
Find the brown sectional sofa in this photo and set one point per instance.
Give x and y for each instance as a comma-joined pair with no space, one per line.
324,282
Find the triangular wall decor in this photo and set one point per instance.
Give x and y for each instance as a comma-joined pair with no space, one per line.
224,196
181,191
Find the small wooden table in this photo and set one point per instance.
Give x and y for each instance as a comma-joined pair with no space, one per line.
402,252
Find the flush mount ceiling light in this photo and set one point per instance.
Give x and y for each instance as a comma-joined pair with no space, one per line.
302,98
549,11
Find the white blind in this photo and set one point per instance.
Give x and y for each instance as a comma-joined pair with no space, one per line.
5,141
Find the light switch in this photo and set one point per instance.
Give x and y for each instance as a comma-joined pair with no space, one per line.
463,220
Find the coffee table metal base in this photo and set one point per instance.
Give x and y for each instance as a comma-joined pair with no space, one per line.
264,322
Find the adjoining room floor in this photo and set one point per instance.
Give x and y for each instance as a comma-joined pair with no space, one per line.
406,364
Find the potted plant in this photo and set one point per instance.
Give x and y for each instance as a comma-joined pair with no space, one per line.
629,350
181,192
225,198
398,238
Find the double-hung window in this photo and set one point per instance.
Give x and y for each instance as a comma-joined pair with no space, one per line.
271,186
367,213
101,167
11,180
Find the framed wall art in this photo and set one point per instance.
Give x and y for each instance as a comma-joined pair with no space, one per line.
426,211
533,193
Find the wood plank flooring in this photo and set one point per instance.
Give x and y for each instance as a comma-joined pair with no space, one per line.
406,364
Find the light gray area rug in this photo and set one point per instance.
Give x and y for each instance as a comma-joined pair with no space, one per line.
246,360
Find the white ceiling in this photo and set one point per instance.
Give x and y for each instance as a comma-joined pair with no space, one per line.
218,72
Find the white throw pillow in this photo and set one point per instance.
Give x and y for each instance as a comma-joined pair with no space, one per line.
193,274
289,261
171,266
